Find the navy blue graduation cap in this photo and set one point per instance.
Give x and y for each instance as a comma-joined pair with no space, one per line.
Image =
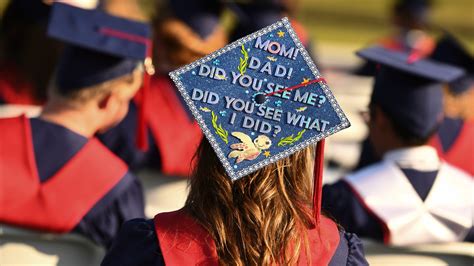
256,14
201,16
100,47
417,9
260,99
410,89
450,51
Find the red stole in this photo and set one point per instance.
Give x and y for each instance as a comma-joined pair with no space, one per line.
177,136
183,241
461,153
60,203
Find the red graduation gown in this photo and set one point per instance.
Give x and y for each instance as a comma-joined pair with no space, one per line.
461,153
184,242
176,135
60,203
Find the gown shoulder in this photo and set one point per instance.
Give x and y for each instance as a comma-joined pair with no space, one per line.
349,252
137,244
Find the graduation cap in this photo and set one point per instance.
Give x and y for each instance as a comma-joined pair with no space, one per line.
260,99
189,33
201,16
410,88
256,14
100,47
416,9
450,51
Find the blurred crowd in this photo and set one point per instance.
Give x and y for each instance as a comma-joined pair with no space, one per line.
98,110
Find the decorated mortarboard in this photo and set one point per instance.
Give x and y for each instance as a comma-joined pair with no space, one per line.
409,88
259,99
100,47
450,51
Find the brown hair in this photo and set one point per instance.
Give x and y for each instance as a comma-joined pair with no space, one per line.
82,95
260,219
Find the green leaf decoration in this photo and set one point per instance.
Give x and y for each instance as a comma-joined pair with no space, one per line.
220,131
290,139
243,61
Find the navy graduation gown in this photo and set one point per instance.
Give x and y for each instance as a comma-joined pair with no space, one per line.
137,245
121,140
54,147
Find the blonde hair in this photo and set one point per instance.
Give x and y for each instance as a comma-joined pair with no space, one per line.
260,219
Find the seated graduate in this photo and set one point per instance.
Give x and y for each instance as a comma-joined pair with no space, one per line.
182,35
27,55
253,15
241,222
55,176
410,27
254,196
245,222
455,139
411,196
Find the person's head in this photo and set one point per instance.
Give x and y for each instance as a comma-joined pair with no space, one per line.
459,94
411,14
130,9
406,105
101,67
108,100
184,35
389,131
255,219
253,15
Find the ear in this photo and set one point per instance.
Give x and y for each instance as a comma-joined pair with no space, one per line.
381,120
105,101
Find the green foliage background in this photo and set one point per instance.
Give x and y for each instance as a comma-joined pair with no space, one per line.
360,22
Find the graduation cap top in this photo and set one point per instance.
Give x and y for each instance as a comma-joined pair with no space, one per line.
100,47
259,99
410,88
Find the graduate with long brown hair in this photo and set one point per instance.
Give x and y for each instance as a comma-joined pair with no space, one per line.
264,218
255,195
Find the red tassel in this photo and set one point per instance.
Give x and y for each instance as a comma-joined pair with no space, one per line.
414,56
318,180
142,133
142,136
